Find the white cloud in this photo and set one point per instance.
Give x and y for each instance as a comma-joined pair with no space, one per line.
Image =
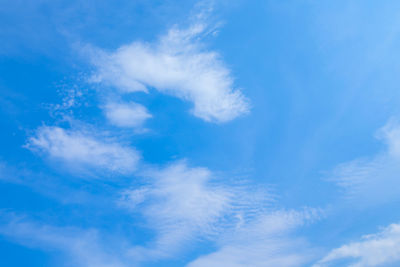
390,133
82,248
79,149
379,249
178,65
131,115
181,204
264,241
374,180
184,204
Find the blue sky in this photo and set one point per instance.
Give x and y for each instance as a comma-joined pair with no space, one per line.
199,133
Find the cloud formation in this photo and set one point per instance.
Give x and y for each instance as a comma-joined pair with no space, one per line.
378,249
181,204
178,65
263,241
184,204
79,149
374,180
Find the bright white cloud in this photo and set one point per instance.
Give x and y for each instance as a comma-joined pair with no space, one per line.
374,180
81,150
264,241
131,115
379,249
176,65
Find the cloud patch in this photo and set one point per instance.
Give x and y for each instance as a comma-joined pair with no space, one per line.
185,205
181,204
378,249
126,115
263,241
81,150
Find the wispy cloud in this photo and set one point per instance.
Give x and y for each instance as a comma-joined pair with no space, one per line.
378,249
263,241
184,205
80,247
179,65
374,180
181,204
81,150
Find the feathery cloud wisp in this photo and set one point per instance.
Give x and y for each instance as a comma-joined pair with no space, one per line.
264,241
180,203
183,204
81,150
374,180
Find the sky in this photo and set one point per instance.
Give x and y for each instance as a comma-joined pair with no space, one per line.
199,133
